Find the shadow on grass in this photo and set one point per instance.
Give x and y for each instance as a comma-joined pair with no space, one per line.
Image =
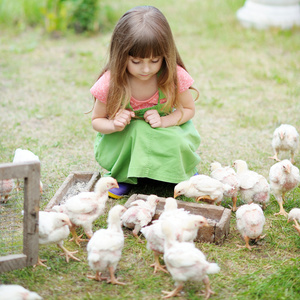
148,186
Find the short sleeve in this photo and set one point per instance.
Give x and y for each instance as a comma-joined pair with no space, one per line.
100,89
185,80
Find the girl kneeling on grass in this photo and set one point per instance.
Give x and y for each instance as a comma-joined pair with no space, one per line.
143,106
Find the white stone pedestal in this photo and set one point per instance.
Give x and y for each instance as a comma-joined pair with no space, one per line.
263,14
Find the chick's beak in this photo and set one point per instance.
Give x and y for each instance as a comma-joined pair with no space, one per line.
115,185
68,222
175,195
41,188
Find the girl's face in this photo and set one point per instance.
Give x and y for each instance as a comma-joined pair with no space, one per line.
144,68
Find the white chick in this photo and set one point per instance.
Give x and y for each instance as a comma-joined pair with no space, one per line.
294,215
54,229
17,292
83,209
253,186
106,245
184,224
226,175
285,138
23,156
171,209
6,187
138,216
250,221
204,188
284,177
185,262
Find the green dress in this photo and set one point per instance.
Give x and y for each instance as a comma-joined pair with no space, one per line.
163,154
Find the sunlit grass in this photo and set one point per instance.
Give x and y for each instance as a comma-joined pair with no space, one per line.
249,84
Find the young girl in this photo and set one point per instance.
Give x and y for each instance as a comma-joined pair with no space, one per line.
143,105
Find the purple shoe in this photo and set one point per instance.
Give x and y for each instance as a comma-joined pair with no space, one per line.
117,193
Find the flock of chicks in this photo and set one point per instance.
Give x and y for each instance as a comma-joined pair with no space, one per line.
172,235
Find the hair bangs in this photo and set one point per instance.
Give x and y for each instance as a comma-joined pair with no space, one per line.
146,46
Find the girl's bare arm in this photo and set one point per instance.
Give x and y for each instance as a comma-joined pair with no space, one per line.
177,117
102,124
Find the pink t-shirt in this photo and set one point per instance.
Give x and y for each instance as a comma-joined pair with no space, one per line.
100,89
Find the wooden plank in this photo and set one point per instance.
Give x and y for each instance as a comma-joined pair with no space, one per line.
73,178
91,184
30,172
16,170
31,215
12,262
223,227
61,192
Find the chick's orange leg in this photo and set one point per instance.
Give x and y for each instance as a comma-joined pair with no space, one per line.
97,276
40,262
174,292
296,226
246,239
68,254
157,266
260,237
113,279
77,239
292,159
275,156
135,232
281,210
208,292
234,200
205,198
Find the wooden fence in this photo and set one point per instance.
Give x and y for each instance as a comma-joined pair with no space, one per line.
29,173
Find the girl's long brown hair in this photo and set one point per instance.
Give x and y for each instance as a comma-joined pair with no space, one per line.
141,32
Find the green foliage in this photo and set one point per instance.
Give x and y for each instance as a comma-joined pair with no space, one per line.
85,16
20,13
57,15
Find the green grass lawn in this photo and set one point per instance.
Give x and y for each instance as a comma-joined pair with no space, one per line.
249,84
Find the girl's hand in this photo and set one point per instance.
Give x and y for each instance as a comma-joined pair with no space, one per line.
122,118
153,118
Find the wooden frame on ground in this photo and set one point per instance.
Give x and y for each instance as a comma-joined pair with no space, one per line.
30,172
